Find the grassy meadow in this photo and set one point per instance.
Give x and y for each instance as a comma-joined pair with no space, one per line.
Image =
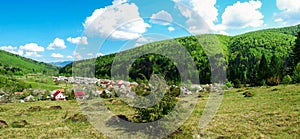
273,112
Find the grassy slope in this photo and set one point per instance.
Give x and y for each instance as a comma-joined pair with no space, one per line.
272,113
24,63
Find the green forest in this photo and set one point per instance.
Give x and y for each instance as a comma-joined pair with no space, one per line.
265,57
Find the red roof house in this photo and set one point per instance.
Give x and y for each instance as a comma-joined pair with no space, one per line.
79,95
59,95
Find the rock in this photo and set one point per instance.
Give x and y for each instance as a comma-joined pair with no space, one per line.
3,124
116,118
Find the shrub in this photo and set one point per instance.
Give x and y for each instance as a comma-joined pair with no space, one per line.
237,83
229,84
296,74
287,79
273,81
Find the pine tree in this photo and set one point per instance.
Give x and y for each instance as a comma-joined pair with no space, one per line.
274,66
296,51
262,72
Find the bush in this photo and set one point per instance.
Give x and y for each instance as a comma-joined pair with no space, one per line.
237,83
229,84
287,79
296,74
273,81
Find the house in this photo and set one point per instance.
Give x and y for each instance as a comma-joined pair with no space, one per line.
61,90
59,96
29,98
79,95
185,90
19,93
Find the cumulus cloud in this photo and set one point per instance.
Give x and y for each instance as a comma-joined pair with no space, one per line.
242,15
99,54
57,55
32,47
162,17
27,50
70,57
200,15
171,29
121,22
77,55
57,44
117,2
290,10
33,54
78,40
12,49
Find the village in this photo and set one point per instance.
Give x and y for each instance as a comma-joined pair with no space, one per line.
87,88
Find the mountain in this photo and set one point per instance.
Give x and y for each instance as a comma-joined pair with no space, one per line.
20,65
61,63
240,55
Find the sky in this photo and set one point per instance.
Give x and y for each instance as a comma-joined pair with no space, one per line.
64,30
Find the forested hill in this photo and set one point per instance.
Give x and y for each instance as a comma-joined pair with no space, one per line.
292,30
14,64
249,58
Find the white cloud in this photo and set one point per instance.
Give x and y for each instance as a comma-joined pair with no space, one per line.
70,57
28,50
99,54
77,55
78,40
200,15
242,15
57,55
121,22
32,54
32,47
117,2
290,10
12,49
57,44
171,29
162,17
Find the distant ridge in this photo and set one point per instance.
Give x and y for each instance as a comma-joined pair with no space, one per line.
61,63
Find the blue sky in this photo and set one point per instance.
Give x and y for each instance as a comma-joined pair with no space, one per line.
60,30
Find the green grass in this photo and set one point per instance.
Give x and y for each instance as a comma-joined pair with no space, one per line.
25,64
273,112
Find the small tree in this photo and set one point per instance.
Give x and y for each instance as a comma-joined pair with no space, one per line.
287,79
296,73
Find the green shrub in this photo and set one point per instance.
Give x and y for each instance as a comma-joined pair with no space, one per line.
287,79
229,84
237,83
296,74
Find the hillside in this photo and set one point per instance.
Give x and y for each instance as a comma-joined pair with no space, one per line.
241,54
22,65
292,30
